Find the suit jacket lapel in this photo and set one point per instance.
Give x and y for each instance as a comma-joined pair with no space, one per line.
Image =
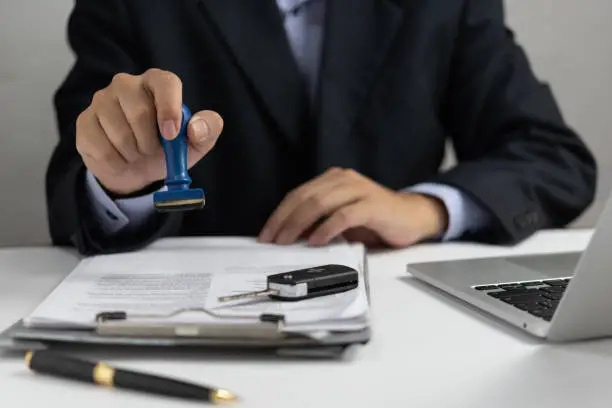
254,32
358,35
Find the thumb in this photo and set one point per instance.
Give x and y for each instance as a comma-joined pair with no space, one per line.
203,131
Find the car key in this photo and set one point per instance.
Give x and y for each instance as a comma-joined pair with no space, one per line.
304,284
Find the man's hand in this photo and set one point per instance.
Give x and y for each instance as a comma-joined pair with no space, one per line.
118,134
345,203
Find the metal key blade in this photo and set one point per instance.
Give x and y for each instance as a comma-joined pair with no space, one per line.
248,295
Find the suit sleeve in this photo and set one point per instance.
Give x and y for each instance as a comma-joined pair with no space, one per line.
99,35
516,157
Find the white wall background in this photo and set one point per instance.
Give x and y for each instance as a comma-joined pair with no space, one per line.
34,58
567,40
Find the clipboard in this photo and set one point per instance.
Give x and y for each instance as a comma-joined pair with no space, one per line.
265,335
336,345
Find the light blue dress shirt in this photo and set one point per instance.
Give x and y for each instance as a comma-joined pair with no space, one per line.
304,24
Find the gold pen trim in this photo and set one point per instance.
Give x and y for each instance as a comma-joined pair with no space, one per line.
223,397
28,358
104,375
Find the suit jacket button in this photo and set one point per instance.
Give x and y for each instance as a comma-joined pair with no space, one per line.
533,218
520,222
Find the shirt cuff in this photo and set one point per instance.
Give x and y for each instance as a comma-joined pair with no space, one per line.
115,216
464,215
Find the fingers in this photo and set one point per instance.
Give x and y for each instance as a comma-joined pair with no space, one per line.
139,110
319,185
93,144
203,132
167,91
348,217
115,125
321,204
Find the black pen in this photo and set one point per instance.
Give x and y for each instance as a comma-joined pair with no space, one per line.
99,373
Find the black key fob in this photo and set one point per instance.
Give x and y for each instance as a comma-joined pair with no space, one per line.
312,282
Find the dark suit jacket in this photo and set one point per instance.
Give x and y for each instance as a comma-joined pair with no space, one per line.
398,79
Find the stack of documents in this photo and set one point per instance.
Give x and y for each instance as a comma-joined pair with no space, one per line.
177,284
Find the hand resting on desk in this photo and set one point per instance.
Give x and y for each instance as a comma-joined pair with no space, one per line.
358,208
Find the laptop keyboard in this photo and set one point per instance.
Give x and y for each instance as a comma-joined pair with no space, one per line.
539,298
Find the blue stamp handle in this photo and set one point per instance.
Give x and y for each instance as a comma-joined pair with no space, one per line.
175,150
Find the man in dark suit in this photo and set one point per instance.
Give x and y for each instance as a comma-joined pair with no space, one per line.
315,119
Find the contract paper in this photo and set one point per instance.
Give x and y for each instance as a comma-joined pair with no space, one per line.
180,285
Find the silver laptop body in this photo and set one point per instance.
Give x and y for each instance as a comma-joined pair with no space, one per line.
558,297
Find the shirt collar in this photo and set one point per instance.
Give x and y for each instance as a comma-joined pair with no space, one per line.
288,6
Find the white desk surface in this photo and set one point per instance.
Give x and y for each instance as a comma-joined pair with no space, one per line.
427,351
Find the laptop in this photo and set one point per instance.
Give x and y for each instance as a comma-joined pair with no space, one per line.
557,297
